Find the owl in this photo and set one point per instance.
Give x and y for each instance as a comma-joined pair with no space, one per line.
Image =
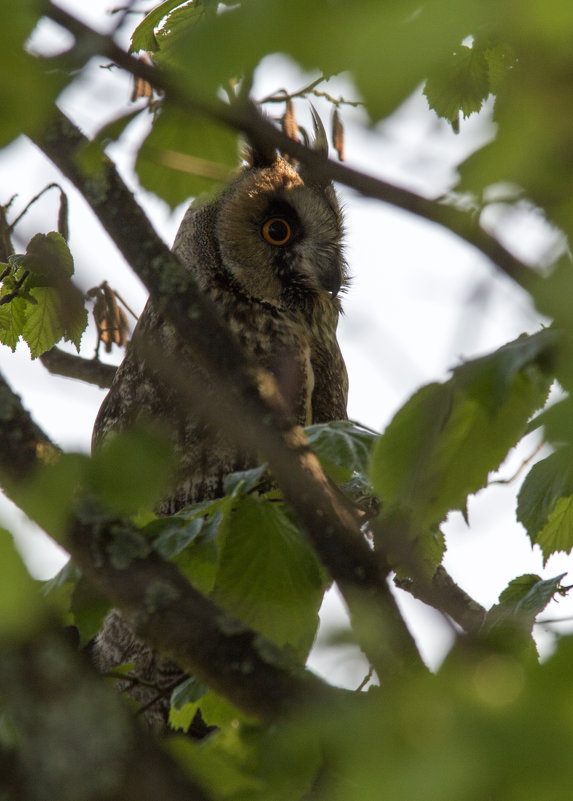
268,253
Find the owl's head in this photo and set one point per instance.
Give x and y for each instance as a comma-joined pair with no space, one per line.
279,234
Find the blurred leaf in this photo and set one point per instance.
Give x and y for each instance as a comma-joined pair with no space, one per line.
398,40
343,448
58,590
28,90
441,446
49,495
132,469
532,110
221,763
89,608
20,601
185,155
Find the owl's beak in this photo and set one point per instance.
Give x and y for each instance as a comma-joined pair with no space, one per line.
330,278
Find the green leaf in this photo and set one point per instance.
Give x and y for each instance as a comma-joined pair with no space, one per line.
143,37
49,306
49,258
189,538
29,90
21,605
441,446
518,588
12,321
548,485
343,448
185,155
520,603
171,535
557,533
460,84
268,575
43,325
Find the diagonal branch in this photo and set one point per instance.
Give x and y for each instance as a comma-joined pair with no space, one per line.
163,607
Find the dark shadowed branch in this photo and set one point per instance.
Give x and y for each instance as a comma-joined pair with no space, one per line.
92,371
77,737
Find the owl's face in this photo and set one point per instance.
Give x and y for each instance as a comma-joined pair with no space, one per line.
280,236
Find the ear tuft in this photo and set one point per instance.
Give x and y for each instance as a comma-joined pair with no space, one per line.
257,157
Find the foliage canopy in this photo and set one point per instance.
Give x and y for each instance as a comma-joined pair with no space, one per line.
254,564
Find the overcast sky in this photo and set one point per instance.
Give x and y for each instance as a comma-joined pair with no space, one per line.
420,302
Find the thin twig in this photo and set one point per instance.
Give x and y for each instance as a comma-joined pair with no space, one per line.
281,95
17,286
521,467
365,680
30,203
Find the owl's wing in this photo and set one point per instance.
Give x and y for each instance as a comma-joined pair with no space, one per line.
330,395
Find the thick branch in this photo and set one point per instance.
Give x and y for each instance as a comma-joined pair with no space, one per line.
92,371
328,518
261,132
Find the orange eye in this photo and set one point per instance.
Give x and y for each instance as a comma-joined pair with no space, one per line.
276,231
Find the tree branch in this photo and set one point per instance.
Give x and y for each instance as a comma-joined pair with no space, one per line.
261,132
327,516
91,371
76,734
163,607
446,596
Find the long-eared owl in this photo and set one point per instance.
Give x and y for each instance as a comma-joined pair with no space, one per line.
267,252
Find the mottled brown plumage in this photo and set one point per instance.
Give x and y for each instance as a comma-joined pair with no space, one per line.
267,252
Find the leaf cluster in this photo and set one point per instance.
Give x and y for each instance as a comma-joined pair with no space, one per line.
39,302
